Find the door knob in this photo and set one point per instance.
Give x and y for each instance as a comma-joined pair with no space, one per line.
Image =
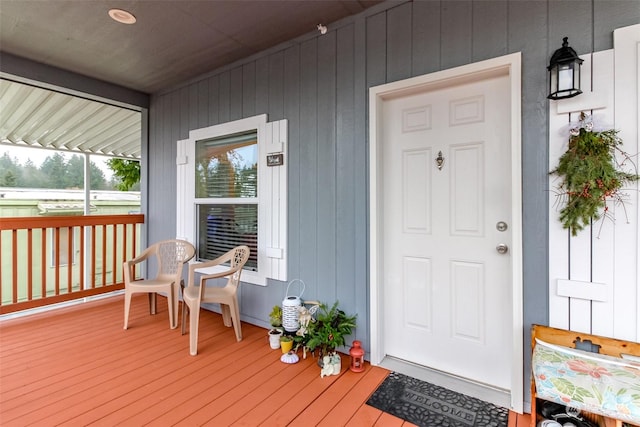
502,248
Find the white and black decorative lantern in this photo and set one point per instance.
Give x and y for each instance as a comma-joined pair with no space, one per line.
290,308
564,72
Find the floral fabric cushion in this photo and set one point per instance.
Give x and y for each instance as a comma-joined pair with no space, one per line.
591,382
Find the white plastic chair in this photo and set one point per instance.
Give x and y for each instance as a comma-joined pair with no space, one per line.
193,296
171,256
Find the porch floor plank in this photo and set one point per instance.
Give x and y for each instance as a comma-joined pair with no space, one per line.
365,416
345,409
388,420
77,366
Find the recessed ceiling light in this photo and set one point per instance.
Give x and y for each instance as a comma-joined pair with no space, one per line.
122,16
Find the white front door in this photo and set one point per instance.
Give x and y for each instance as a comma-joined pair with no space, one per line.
447,229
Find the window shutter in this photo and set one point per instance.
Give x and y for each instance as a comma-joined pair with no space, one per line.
184,200
275,201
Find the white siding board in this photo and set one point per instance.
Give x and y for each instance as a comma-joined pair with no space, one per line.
280,272
580,269
627,237
606,251
603,232
558,237
276,204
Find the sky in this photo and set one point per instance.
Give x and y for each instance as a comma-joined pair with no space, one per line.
38,155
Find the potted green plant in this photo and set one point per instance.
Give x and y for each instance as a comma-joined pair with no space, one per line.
286,343
275,319
327,333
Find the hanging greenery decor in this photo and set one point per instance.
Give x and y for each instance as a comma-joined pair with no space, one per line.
590,175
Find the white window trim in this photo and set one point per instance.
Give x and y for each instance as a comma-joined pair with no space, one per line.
272,194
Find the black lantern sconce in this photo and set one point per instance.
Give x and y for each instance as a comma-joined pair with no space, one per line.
564,72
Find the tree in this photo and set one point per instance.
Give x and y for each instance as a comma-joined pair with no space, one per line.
32,177
8,179
10,172
127,172
61,171
98,181
75,172
55,168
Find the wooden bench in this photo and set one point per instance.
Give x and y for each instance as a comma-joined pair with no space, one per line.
576,365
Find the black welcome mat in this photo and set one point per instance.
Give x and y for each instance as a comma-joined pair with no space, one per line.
428,405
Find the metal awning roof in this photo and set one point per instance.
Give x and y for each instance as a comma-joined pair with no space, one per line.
36,117
63,208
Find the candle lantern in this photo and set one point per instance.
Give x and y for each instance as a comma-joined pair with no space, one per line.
357,357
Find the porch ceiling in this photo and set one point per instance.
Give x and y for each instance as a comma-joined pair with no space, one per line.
171,42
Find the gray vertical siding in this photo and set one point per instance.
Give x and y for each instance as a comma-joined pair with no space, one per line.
489,32
345,172
399,42
325,179
527,32
292,113
307,244
425,27
360,197
320,85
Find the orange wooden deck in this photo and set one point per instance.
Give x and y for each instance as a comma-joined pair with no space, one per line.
76,366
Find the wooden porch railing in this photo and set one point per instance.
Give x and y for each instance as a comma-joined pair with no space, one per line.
46,260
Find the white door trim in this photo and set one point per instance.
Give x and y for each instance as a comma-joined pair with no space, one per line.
505,65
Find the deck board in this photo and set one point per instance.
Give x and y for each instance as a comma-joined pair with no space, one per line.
78,366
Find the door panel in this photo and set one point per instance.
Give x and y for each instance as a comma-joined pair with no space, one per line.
467,189
446,183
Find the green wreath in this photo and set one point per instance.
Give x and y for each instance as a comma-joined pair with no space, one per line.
590,176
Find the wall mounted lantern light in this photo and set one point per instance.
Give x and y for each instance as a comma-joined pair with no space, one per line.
564,72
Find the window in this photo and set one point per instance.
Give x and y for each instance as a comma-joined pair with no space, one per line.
226,195
229,196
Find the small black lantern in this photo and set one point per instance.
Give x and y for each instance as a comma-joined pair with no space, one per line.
564,72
